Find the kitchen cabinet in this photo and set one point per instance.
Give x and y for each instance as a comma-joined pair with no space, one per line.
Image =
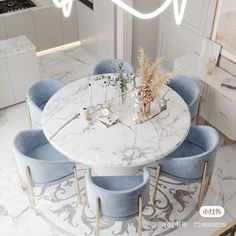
20,23
18,69
3,33
6,94
48,27
70,25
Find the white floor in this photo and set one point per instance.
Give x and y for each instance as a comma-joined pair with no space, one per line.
59,213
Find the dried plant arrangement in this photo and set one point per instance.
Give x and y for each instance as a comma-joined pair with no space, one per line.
151,81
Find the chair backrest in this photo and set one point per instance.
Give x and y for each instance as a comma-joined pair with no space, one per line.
38,95
113,66
188,90
190,168
119,205
44,169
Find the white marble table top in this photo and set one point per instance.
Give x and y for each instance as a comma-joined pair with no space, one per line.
124,144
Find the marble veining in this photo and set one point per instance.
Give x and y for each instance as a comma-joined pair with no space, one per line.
123,144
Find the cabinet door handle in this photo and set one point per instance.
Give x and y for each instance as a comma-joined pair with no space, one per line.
203,99
227,98
223,114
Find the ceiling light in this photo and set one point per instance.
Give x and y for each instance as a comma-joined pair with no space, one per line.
178,12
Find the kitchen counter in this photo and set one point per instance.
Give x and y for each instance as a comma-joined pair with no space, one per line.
12,46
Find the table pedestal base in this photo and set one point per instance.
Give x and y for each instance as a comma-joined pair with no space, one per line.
116,171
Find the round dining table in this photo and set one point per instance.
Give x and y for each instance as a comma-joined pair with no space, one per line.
124,147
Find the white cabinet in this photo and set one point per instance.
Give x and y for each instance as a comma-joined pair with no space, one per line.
18,69
97,29
70,25
6,94
217,103
3,33
19,23
48,27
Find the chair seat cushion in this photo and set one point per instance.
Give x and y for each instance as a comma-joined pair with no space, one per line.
47,152
117,183
186,149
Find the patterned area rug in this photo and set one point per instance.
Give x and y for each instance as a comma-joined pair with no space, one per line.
175,204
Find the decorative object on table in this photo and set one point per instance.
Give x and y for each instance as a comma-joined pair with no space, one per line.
118,198
84,114
108,120
40,164
110,66
120,81
151,83
90,94
37,97
193,161
189,91
224,28
210,55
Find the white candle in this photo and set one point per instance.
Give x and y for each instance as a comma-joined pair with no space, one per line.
84,114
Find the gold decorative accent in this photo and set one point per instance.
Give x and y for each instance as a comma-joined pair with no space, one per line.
77,184
28,112
30,190
97,215
140,210
201,191
199,110
156,184
223,114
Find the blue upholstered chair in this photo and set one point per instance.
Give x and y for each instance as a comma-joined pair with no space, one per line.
189,91
193,161
112,66
118,198
38,96
39,164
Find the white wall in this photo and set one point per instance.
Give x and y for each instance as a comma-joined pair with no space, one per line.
145,31
174,41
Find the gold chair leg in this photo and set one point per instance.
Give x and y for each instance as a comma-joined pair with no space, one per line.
210,178
30,190
28,112
156,184
97,215
77,184
198,111
201,191
140,210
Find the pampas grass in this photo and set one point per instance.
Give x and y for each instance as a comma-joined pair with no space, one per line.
151,79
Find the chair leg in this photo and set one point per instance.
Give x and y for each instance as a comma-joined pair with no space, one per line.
97,216
28,112
198,111
30,190
156,184
140,210
210,178
77,184
201,191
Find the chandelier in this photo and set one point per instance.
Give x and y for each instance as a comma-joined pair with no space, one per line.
66,6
